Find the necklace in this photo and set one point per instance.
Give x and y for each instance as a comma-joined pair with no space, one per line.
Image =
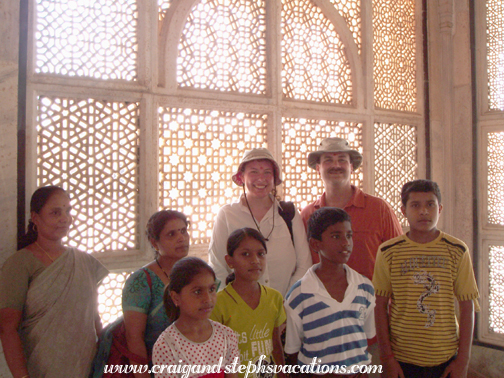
166,274
252,215
43,250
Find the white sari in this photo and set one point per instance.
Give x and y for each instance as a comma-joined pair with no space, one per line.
58,327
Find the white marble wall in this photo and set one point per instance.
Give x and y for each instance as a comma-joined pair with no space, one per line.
9,30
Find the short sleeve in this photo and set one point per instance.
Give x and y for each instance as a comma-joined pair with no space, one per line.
381,277
232,351
136,295
294,331
162,355
369,323
15,277
465,287
100,271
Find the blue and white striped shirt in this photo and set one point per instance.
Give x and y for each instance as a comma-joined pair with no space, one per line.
320,326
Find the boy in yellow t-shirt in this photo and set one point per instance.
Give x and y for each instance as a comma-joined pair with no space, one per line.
421,273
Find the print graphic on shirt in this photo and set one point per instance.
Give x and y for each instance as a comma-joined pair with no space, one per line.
431,287
423,262
259,340
362,313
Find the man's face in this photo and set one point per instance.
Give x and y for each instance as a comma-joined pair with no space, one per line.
335,168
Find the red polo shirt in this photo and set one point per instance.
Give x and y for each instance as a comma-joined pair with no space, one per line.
373,222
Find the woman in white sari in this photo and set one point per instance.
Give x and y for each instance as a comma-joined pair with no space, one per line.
48,296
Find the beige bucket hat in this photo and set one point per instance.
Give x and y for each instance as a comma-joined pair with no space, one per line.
257,154
333,145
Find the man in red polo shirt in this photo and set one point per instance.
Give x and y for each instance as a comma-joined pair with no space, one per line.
373,220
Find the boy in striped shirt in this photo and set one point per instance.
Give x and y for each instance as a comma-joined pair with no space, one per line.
330,310
421,273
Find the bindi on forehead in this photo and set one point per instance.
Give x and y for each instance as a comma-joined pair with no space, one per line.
259,164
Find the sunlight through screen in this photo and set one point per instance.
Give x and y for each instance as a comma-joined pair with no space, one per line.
95,39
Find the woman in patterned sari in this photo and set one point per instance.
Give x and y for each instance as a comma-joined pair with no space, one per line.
48,296
142,299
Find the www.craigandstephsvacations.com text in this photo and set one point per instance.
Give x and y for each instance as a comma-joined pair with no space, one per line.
257,368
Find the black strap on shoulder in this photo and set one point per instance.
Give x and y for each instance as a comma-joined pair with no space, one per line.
287,211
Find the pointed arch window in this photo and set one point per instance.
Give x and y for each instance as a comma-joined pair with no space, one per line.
145,105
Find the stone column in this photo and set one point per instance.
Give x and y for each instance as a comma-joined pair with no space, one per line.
451,113
9,30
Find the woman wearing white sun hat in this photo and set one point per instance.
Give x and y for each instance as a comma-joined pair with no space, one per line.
288,255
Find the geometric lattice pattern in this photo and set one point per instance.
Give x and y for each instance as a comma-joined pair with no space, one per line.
110,297
351,12
495,177
395,162
496,289
395,62
223,47
163,6
302,136
95,38
495,53
199,151
315,67
90,148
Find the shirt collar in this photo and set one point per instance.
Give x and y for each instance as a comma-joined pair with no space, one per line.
320,202
310,283
245,208
273,198
357,199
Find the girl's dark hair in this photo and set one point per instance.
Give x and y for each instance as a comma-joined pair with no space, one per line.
235,239
158,220
181,275
323,218
37,202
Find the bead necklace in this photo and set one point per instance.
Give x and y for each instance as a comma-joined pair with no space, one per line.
166,274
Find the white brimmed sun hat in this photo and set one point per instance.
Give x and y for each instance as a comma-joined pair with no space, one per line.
256,154
334,145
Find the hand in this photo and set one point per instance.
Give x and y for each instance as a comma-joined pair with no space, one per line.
392,369
457,368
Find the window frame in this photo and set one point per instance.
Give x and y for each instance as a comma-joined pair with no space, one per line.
153,89
487,121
